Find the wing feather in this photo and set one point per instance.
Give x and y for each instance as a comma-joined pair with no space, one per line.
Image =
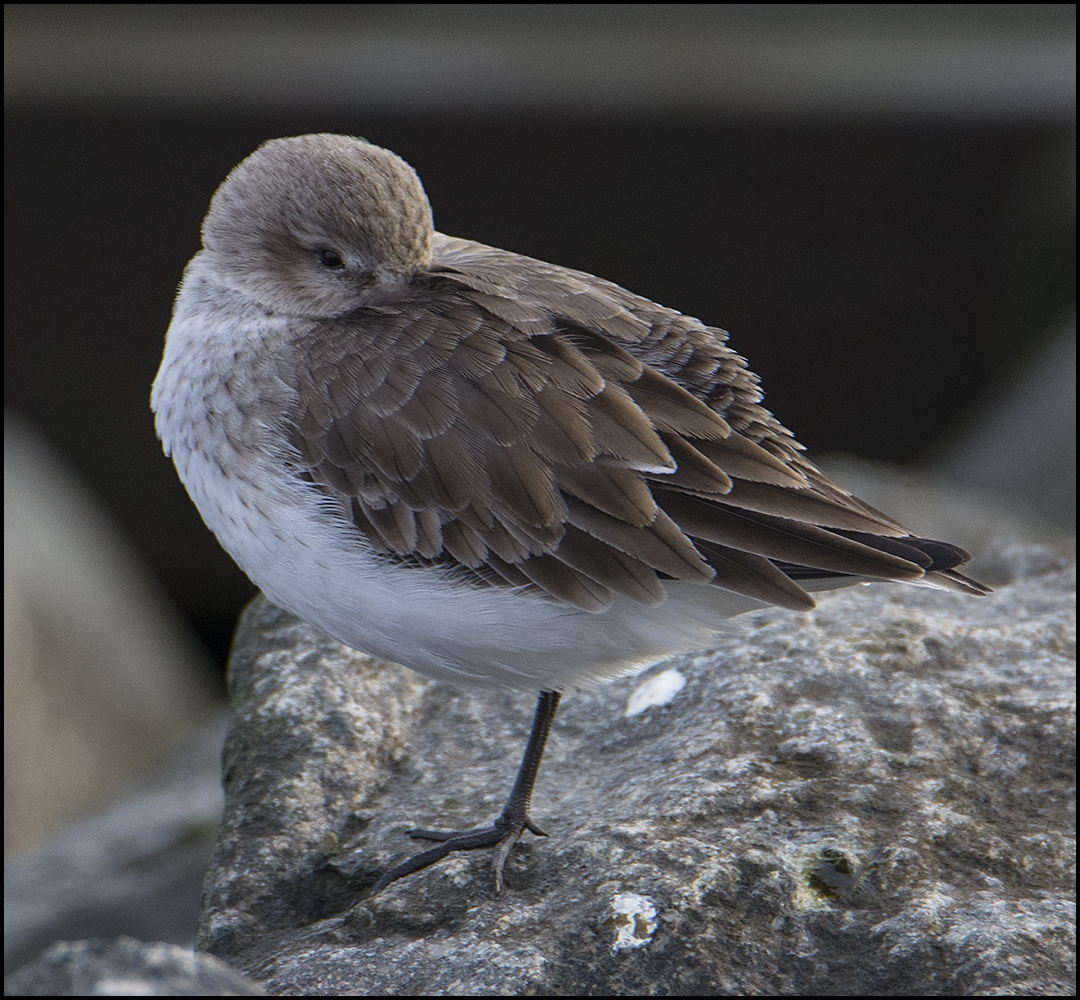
528,426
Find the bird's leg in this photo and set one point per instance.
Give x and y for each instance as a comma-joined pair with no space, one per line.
511,823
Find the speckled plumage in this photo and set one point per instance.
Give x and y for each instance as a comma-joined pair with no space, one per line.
515,432
482,466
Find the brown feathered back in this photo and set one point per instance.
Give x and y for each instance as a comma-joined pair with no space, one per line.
527,425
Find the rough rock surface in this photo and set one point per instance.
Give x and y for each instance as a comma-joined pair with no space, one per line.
871,798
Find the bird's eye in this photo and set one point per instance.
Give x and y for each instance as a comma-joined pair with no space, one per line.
331,259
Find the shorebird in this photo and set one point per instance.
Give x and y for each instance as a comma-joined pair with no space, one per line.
490,469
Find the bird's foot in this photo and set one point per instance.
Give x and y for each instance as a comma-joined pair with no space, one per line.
511,824
502,835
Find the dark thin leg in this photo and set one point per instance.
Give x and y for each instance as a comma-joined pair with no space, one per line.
512,822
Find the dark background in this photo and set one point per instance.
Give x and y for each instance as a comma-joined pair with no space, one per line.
883,264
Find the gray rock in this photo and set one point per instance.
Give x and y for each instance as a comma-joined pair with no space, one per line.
132,871
124,967
872,798
100,674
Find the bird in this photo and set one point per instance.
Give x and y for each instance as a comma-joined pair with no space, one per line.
490,469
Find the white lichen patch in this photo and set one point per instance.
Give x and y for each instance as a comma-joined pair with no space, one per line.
632,917
657,690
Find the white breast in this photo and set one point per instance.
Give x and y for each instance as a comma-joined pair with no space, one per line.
217,422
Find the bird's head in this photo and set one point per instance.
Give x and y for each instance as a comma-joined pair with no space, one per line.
308,226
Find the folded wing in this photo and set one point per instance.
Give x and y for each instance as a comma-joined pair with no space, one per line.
524,425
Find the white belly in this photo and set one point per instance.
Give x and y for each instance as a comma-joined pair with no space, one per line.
301,549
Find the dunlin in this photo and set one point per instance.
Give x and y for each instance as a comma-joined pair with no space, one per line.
490,469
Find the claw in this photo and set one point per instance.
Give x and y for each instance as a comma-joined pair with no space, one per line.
511,823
